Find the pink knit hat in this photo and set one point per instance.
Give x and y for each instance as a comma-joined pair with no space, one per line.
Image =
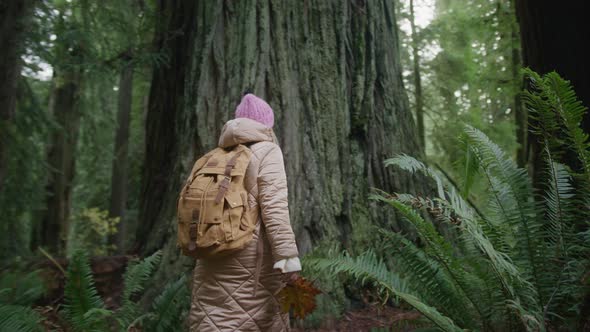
255,108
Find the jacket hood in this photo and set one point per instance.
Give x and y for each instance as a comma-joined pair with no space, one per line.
244,130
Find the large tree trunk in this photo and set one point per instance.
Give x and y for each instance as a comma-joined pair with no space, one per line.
64,107
13,15
331,72
175,26
119,179
554,37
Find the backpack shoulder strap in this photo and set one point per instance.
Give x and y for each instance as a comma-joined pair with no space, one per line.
224,185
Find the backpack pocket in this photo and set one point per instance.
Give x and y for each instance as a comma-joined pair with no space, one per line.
235,211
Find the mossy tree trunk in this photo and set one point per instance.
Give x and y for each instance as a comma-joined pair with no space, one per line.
331,72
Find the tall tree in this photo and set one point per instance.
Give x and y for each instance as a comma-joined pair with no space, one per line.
417,78
553,37
13,16
176,23
331,72
119,179
64,108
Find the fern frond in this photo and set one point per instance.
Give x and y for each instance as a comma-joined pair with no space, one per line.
553,103
427,279
513,195
169,308
475,235
367,268
136,275
21,289
413,166
17,318
81,295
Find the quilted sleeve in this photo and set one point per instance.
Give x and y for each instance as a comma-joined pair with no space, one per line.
274,209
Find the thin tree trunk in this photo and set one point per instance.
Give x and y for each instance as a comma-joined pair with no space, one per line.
417,80
13,16
520,114
120,158
64,106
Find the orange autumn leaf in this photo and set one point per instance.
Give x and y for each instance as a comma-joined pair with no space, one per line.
298,296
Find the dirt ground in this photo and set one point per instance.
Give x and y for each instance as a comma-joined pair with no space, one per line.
370,319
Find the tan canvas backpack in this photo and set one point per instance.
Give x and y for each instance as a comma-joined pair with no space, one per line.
213,213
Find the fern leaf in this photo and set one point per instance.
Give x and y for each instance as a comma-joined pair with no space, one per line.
426,278
136,275
169,308
513,195
367,268
81,295
17,318
21,289
553,103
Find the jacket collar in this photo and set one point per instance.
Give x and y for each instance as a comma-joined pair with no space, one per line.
243,131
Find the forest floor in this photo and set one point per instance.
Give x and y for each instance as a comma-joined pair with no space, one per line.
372,318
108,275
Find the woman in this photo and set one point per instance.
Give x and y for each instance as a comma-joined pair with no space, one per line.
225,295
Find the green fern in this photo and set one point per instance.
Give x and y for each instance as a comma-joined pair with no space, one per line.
368,268
517,264
552,102
81,297
168,309
137,274
17,293
21,289
18,318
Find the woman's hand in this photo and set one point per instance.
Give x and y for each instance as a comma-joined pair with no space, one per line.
289,277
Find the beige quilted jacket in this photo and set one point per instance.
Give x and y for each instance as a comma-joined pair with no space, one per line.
223,296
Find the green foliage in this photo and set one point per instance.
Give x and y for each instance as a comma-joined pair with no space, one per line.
168,309
17,318
16,288
90,231
135,279
557,113
332,302
367,268
17,293
516,263
469,61
21,193
85,311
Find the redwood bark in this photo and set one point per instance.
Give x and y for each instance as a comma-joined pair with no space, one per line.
331,72
175,25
